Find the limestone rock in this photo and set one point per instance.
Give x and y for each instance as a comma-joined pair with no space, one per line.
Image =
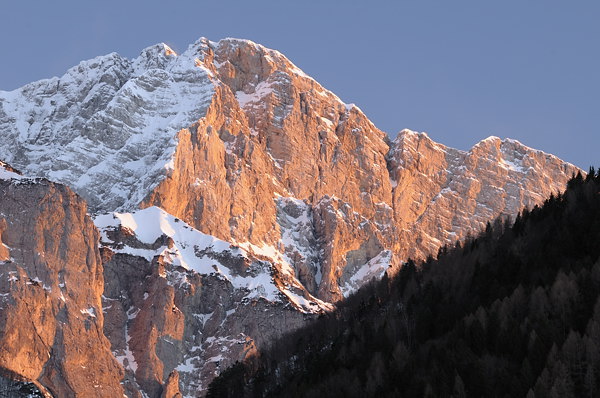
218,134
183,301
171,389
442,194
51,282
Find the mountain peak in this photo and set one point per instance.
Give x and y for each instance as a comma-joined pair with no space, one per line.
168,50
412,133
199,48
157,56
241,42
159,49
491,138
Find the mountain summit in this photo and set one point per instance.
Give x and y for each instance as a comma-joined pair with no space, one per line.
267,198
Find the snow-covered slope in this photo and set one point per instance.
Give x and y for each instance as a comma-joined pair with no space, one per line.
8,173
106,128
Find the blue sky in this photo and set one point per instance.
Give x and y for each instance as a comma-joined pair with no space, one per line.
459,70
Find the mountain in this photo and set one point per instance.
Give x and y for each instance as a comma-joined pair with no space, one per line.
515,312
237,198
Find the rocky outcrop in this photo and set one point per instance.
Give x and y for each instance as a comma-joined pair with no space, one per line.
51,282
271,131
182,301
14,385
442,194
171,389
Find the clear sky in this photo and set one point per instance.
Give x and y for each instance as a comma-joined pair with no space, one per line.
459,70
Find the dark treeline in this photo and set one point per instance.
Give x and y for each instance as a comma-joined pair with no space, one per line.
513,313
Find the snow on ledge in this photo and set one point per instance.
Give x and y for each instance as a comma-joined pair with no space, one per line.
192,250
374,268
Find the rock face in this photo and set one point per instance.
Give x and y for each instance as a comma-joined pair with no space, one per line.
51,282
183,301
442,194
14,385
249,198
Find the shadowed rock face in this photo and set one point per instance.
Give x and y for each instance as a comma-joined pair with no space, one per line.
51,281
182,322
17,386
308,197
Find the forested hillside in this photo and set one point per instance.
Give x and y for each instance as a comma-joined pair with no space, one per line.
512,313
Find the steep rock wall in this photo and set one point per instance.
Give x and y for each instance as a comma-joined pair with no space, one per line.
51,282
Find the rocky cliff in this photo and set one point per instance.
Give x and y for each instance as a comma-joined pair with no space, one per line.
248,197
51,283
442,194
183,301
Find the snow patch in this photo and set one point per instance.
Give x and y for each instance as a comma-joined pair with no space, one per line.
9,175
88,311
262,89
374,268
199,252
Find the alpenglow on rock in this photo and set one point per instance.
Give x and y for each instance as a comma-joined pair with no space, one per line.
51,283
297,188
